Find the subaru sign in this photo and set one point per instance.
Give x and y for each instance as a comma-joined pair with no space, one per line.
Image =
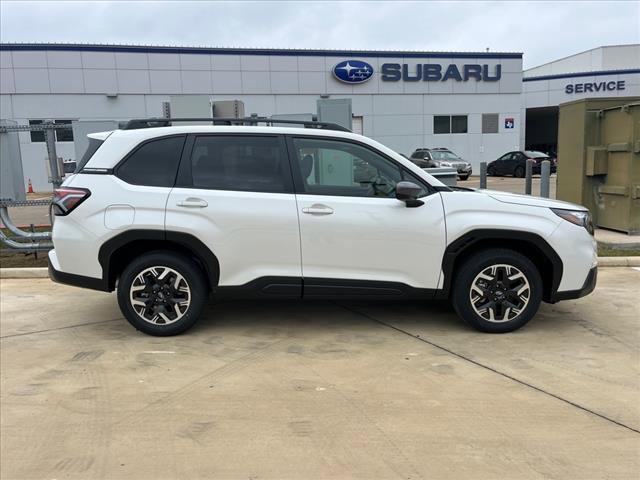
434,72
353,71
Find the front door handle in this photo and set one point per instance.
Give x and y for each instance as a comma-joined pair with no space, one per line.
318,209
192,202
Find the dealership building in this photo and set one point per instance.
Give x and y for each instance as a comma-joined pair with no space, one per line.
478,104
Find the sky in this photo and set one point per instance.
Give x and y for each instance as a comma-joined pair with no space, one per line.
542,30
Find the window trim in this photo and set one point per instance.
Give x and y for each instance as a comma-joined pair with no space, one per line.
184,178
497,123
298,181
117,166
451,115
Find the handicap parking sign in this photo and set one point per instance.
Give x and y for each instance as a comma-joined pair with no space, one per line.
509,122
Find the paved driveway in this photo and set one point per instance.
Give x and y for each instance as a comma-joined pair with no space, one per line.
319,390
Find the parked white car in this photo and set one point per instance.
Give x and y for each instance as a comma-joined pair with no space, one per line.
167,215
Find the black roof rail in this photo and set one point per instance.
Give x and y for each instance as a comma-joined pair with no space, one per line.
138,123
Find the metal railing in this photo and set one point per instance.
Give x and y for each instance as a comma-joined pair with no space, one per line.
22,240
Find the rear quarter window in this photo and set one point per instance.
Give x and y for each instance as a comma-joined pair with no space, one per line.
154,163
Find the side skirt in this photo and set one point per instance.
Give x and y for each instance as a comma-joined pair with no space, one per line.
322,289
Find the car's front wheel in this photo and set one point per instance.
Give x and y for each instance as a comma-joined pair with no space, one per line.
464,177
497,290
162,293
491,171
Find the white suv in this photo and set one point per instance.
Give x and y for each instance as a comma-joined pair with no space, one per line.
168,215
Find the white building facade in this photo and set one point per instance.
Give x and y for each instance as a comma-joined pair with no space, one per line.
473,103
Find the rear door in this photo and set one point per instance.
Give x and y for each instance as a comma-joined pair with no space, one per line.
352,227
234,192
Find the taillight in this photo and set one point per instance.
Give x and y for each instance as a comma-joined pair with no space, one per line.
67,199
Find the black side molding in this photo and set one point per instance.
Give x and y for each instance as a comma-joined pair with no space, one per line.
458,247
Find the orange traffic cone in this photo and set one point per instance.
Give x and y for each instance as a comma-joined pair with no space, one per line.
30,190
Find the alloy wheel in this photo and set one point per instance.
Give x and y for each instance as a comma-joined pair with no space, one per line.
499,293
160,295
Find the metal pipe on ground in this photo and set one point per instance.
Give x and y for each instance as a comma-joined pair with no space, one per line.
545,178
25,247
483,175
6,220
528,177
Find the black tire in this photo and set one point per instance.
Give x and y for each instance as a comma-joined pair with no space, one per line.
464,177
518,172
491,171
194,281
481,262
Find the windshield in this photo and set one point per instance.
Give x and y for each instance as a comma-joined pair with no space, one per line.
443,155
532,154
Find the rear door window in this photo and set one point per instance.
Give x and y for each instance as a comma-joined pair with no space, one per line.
240,163
154,163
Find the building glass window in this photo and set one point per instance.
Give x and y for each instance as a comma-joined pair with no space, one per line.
36,137
441,124
450,124
459,124
490,122
65,135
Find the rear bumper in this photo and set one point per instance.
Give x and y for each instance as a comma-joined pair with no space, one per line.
72,279
587,288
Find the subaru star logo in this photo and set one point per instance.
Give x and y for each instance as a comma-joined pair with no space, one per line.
353,71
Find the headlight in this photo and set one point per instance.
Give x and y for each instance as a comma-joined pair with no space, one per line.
577,217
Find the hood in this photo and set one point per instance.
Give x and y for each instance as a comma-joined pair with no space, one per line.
520,199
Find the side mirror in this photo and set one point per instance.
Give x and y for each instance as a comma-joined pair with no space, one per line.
408,192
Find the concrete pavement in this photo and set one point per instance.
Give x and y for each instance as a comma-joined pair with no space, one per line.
319,390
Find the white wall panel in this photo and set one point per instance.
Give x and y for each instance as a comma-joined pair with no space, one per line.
312,82
64,59
283,82
226,82
7,85
66,80
31,80
98,60
311,64
256,82
225,62
164,61
5,59
196,81
253,63
135,61
6,109
35,59
165,81
100,81
283,63
195,61
133,81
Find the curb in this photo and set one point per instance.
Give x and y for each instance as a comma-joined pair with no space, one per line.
24,272
43,272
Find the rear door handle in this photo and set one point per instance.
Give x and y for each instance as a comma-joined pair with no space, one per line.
192,203
318,209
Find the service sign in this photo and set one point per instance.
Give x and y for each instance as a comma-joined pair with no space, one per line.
594,87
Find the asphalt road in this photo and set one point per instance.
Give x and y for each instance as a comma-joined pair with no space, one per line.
319,390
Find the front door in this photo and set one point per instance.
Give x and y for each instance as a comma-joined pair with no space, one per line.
234,193
351,225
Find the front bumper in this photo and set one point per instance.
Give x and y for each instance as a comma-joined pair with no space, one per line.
587,288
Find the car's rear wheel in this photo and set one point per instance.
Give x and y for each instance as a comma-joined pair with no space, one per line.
497,291
518,172
162,293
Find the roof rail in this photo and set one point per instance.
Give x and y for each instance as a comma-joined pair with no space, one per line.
167,122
